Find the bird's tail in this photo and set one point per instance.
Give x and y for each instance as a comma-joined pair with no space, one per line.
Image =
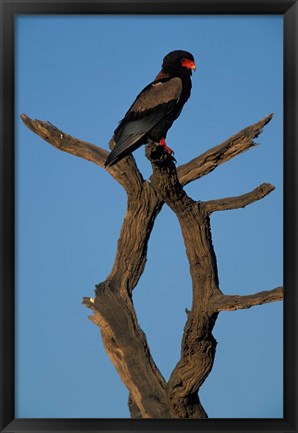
121,149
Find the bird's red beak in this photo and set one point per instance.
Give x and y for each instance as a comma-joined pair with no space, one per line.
189,64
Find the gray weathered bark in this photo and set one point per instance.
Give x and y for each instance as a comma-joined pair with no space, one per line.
150,396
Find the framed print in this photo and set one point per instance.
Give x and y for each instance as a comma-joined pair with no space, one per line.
148,237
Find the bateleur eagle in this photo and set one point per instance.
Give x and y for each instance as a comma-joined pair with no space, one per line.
155,108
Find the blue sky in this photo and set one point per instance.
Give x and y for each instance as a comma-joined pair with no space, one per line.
82,73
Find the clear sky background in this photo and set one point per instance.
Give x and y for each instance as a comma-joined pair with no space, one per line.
82,73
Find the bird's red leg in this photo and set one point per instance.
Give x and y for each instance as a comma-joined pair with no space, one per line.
162,143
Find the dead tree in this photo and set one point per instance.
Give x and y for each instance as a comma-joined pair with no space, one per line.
150,396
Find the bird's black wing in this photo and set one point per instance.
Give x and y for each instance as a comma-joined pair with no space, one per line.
149,108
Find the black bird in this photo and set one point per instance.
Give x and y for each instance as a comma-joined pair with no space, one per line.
155,108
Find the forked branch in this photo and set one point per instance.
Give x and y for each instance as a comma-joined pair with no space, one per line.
113,311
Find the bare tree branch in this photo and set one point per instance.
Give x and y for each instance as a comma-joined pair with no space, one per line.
124,341
230,148
66,142
126,172
131,256
235,302
127,347
239,201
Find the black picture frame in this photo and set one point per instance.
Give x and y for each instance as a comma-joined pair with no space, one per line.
9,8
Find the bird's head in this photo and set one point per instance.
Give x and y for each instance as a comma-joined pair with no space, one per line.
178,62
